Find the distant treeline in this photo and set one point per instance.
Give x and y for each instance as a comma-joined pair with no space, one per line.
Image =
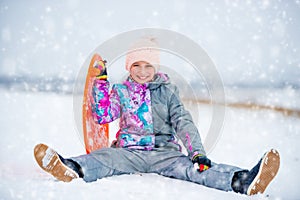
65,85
38,84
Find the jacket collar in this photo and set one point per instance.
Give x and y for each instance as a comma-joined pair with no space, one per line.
159,79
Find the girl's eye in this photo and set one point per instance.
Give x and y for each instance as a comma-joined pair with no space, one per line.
149,66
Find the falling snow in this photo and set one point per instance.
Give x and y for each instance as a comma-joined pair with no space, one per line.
254,44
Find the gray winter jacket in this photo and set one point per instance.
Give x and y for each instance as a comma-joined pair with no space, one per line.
152,116
171,119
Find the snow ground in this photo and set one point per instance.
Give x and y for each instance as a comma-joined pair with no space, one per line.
30,118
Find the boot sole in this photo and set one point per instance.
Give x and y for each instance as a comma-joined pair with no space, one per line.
267,171
49,161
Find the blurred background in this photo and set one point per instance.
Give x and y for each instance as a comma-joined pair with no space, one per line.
255,46
253,43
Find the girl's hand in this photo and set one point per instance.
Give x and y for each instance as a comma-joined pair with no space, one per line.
99,65
203,162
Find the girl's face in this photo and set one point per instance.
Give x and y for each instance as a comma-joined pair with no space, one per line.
142,72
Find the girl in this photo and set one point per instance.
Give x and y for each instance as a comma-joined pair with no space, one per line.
152,119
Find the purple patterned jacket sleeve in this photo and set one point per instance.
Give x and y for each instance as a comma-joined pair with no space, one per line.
106,106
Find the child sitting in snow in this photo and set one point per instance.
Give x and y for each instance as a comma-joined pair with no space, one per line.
152,117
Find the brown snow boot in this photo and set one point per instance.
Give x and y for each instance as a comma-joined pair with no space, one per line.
259,177
62,169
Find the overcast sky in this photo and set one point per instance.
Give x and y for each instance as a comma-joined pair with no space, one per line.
254,42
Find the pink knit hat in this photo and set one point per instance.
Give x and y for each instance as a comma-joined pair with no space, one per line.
145,49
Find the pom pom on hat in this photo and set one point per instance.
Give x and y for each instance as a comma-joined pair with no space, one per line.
145,49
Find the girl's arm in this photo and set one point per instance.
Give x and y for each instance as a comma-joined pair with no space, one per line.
184,126
105,106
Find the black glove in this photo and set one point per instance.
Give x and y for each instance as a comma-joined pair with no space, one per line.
203,162
100,67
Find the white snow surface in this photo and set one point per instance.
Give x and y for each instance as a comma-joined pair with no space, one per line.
253,43
31,118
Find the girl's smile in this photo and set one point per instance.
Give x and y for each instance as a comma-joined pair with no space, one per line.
142,72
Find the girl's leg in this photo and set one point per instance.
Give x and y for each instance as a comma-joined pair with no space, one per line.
94,169
219,176
227,177
88,166
109,162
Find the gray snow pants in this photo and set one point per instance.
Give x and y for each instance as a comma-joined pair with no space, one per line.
117,161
